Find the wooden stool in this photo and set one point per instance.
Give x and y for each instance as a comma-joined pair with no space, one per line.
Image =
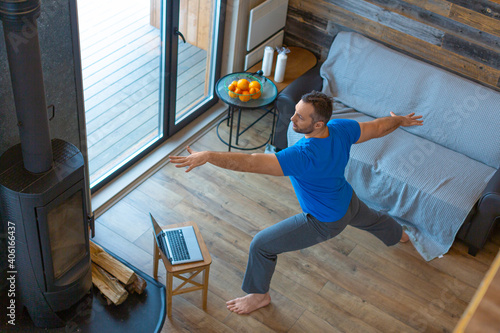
193,268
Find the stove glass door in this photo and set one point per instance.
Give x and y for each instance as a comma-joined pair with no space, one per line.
66,233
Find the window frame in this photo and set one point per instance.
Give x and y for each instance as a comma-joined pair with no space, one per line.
168,68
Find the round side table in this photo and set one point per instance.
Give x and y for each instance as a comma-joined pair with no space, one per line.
269,92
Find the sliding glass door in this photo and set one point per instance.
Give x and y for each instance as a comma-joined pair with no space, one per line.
149,68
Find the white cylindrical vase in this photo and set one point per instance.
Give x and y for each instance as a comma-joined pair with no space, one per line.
267,61
279,73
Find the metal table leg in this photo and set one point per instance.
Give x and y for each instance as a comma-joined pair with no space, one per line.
238,127
231,115
271,140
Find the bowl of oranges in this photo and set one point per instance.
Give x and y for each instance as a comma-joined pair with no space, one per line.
245,87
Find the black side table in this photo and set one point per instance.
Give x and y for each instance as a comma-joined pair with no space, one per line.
269,92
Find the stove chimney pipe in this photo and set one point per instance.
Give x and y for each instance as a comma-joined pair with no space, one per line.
23,52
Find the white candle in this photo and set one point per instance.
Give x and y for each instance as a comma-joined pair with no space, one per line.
279,73
267,61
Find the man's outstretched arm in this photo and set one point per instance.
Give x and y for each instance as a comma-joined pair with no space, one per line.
256,163
382,126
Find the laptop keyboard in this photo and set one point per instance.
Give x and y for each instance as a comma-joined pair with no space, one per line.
177,244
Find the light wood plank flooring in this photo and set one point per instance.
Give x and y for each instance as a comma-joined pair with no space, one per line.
352,283
121,78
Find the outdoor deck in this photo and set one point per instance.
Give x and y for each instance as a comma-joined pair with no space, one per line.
121,79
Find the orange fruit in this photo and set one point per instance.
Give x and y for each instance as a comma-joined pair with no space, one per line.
255,84
231,87
252,91
238,91
232,94
245,98
257,94
234,83
243,84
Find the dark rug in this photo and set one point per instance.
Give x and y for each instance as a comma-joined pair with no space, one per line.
139,313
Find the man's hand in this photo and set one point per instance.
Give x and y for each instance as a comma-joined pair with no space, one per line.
409,120
382,126
193,160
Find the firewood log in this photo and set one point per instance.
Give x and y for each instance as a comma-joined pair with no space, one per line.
113,266
108,285
137,286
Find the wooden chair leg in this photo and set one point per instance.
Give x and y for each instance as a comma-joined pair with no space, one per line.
156,258
205,286
170,279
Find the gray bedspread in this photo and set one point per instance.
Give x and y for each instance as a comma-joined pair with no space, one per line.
427,177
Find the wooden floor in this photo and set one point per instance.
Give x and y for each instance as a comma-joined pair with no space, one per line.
121,79
352,283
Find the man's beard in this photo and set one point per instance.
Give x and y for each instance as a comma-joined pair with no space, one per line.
307,130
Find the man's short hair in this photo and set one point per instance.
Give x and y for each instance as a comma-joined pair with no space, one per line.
322,103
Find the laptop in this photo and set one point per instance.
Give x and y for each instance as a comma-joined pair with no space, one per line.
179,245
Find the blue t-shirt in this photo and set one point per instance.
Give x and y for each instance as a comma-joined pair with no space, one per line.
316,169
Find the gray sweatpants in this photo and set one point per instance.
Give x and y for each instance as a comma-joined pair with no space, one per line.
303,230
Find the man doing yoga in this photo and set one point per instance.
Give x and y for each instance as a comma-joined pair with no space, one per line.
315,165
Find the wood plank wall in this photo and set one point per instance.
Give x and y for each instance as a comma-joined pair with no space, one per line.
459,35
195,20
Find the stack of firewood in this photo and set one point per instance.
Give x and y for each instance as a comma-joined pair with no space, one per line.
113,279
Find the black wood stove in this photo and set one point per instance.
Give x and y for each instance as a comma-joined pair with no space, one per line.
42,188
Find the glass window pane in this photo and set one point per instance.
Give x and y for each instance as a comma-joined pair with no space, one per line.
194,70
121,55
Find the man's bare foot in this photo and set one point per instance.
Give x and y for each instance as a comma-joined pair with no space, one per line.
404,238
248,303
